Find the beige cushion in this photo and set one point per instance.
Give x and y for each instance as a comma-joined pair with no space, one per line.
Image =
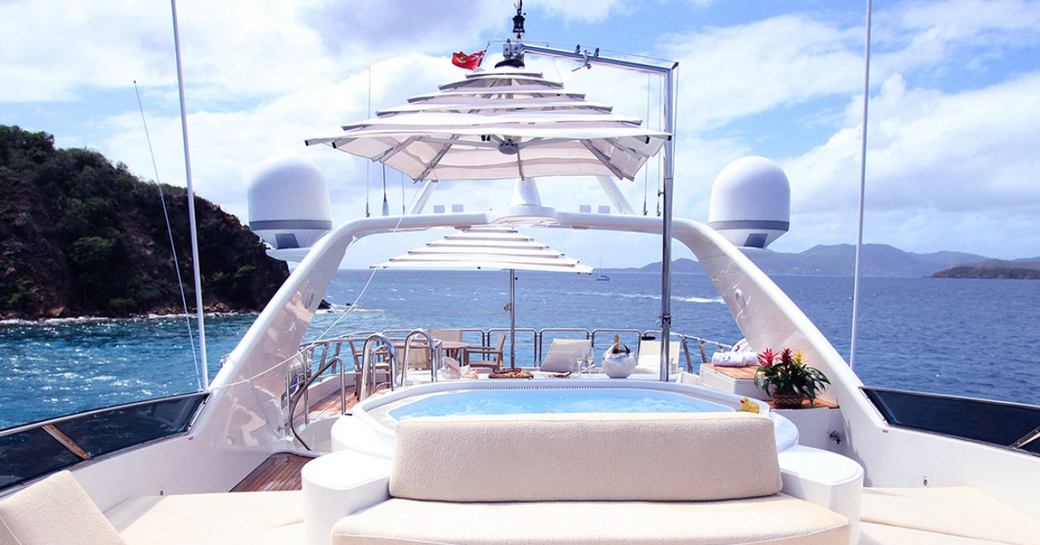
649,361
183,519
956,511
54,511
881,534
775,520
657,457
563,355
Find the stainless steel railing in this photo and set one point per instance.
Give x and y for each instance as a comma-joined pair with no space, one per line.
330,355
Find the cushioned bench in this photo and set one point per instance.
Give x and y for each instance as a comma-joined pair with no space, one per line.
951,515
569,479
57,510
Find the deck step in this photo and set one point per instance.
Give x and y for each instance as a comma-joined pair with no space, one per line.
280,471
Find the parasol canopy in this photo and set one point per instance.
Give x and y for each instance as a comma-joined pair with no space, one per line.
499,125
494,248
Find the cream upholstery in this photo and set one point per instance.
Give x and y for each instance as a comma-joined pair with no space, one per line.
881,534
638,457
776,520
955,511
649,359
203,518
563,355
54,511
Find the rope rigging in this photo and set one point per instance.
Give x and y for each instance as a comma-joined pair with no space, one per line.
169,232
386,204
368,167
646,166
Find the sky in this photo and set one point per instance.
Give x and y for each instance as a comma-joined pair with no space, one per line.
954,133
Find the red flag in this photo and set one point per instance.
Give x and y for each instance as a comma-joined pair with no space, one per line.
469,62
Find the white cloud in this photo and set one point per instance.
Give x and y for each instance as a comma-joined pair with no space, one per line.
731,72
263,76
943,169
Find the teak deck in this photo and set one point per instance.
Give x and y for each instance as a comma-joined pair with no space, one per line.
280,471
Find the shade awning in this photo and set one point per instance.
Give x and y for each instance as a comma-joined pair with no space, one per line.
491,248
501,125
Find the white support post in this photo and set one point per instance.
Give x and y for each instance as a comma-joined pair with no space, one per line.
862,193
425,191
199,310
614,194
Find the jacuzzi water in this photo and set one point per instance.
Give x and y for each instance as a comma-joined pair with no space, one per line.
554,400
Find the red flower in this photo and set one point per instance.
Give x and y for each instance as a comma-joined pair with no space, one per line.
786,357
765,359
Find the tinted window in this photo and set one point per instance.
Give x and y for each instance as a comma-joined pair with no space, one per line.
987,421
29,454
119,428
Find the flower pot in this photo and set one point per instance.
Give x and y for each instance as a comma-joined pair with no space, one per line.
784,400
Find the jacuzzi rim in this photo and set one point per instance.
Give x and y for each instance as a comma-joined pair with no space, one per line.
786,432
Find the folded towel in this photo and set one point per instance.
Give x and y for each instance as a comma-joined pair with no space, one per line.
734,359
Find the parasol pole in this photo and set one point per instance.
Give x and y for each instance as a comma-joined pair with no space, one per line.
667,72
512,318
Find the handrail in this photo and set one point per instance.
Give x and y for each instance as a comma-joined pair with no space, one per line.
431,343
365,376
366,364
303,393
622,330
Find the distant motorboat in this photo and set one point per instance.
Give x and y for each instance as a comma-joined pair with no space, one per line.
602,278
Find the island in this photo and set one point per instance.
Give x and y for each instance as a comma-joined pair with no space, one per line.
1019,269
81,236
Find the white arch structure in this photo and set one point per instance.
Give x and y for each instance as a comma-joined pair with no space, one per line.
252,380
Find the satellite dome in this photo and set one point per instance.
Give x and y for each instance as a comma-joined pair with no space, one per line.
289,203
751,202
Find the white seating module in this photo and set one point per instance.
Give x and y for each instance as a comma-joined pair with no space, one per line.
708,478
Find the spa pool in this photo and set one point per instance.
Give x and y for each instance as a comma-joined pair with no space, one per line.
555,400
370,426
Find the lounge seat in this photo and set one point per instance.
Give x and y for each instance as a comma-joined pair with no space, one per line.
214,518
602,479
954,514
882,534
57,511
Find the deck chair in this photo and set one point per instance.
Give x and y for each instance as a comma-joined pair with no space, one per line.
495,351
649,362
453,335
563,355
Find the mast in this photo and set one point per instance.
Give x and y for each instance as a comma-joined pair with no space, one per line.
199,311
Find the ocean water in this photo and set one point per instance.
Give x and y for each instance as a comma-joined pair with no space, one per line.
967,337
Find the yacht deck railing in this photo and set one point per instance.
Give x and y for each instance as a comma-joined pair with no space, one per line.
333,363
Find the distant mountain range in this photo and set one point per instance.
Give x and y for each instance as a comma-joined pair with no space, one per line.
878,260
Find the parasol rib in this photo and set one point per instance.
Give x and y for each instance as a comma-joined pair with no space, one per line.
436,159
605,160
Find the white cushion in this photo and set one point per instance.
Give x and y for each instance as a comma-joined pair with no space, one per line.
193,518
563,355
956,511
882,534
776,520
620,457
649,361
54,511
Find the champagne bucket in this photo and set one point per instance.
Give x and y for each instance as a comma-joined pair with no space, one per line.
618,365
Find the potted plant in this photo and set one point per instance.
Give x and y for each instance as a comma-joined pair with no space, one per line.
788,379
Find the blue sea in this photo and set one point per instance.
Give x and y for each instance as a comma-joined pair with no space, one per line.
969,337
